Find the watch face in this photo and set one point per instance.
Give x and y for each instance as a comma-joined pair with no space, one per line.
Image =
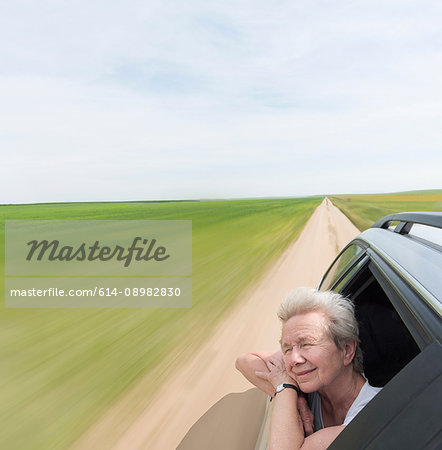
279,388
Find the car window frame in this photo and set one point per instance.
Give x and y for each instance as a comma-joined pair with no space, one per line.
350,265
408,303
414,310
423,325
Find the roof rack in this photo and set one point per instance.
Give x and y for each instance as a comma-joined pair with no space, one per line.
408,219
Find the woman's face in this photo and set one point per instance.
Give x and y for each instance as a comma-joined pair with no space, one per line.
311,358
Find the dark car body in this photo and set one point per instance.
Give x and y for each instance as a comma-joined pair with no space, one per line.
393,273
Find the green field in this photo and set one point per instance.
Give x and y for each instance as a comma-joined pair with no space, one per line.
62,368
364,210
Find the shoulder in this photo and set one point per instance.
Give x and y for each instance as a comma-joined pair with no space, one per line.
365,395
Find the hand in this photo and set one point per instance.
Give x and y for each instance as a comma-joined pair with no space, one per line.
276,374
305,415
250,363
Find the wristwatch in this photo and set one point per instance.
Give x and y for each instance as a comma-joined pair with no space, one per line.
282,386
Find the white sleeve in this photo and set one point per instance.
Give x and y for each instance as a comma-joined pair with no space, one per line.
366,394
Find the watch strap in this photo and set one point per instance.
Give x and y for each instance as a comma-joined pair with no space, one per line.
288,385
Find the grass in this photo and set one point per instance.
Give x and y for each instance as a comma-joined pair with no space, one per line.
364,210
63,368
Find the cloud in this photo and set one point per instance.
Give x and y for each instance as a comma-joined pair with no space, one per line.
166,100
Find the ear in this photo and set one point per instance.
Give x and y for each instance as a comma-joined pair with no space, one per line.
349,351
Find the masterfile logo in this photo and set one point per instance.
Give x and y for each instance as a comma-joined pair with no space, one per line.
105,247
98,264
54,251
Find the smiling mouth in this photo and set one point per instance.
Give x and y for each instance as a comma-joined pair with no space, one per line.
304,373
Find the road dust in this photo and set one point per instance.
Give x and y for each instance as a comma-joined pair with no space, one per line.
207,403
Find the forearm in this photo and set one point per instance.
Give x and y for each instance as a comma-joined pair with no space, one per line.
250,363
286,431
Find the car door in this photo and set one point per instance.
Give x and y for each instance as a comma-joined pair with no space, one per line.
407,413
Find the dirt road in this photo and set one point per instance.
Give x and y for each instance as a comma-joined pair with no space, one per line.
210,376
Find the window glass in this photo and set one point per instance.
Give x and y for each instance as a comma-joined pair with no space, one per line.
431,234
349,254
349,274
393,225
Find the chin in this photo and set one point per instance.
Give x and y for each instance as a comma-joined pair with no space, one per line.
307,387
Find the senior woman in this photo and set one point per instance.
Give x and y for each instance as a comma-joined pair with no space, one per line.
320,356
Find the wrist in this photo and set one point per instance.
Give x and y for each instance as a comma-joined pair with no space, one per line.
286,386
283,380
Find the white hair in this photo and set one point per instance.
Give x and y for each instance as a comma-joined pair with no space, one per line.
341,325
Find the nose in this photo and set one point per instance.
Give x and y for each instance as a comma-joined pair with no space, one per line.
292,358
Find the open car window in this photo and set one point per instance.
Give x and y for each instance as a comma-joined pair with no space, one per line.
399,355
386,341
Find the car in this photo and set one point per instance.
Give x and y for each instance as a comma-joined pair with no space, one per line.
393,273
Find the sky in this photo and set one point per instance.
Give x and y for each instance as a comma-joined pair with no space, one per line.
151,100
